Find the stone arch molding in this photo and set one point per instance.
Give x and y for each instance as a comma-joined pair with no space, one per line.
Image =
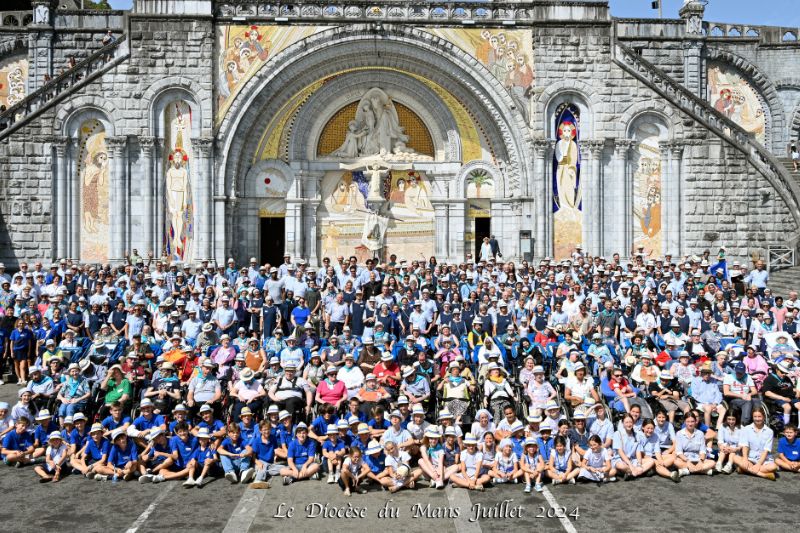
765,88
161,92
577,92
253,181
641,110
343,90
86,107
492,170
461,75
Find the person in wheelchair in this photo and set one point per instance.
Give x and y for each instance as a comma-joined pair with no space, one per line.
204,389
668,393
415,386
117,388
41,387
291,392
579,386
247,392
455,392
705,391
779,391
371,394
498,392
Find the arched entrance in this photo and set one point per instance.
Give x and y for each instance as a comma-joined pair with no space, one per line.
297,111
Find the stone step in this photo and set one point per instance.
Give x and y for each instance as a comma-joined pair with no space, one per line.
784,280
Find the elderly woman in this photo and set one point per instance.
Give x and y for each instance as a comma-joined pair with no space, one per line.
488,349
455,391
74,392
330,390
497,390
579,386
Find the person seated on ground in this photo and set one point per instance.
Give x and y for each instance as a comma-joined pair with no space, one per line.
596,464
123,458
301,457
354,471
756,458
261,449
629,459
156,456
470,475
690,449
333,452
55,456
92,453
115,420
532,465
399,472
668,394
18,445
729,441
788,457
205,456
561,467
653,450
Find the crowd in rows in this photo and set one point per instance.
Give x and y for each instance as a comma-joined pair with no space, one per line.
472,374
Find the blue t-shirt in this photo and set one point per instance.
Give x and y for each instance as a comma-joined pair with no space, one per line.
40,433
175,423
213,427
320,425
329,446
185,450
143,424
301,315
789,450
157,460
376,463
119,457
248,431
95,452
202,455
284,435
21,340
110,424
75,438
545,446
18,441
263,451
302,453
234,447
383,424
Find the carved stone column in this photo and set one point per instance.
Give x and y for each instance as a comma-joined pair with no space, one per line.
40,44
675,201
159,198
311,201
118,152
594,206
666,194
621,198
294,218
204,186
147,145
543,205
61,145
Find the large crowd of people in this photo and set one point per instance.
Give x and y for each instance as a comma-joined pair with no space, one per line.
400,373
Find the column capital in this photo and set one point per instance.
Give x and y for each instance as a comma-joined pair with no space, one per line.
540,147
621,146
595,147
60,143
147,143
203,145
117,144
675,147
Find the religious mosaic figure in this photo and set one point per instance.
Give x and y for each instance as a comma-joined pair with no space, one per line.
93,173
569,194
179,210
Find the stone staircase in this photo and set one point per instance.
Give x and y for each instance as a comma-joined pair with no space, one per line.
63,86
784,280
776,172
787,162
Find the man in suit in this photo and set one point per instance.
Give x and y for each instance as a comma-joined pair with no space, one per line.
495,247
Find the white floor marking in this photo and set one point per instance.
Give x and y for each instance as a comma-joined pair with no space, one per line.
242,517
150,508
562,517
459,498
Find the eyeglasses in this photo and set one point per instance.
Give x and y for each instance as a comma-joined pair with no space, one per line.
617,375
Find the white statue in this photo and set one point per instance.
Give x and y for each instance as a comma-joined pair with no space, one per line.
375,130
41,15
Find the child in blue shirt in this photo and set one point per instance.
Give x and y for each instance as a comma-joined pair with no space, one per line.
545,442
115,420
123,459
45,426
157,456
789,450
205,456
18,445
283,433
180,415
247,425
93,452
79,434
363,437
376,460
319,427
333,451
262,448
233,455
182,446
300,457
146,421
215,428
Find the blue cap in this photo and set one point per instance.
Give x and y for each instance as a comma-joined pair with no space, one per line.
740,368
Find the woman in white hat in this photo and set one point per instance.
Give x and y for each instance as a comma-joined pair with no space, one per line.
247,392
455,391
497,390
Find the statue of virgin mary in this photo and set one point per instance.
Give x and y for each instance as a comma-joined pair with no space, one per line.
377,112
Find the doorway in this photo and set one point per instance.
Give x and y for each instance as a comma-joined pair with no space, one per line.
483,228
272,240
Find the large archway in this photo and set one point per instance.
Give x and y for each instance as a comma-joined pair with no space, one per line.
281,112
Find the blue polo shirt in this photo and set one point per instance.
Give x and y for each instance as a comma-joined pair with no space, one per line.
201,455
234,447
75,438
248,431
143,424
213,427
119,457
320,426
157,460
263,451
284,435
185,450
329,446
110,424
18,441
790,450
302,453
376,463
95,452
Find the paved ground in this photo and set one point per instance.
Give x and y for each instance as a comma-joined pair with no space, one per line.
722,503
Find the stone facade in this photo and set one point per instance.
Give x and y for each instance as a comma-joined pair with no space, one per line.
714,190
